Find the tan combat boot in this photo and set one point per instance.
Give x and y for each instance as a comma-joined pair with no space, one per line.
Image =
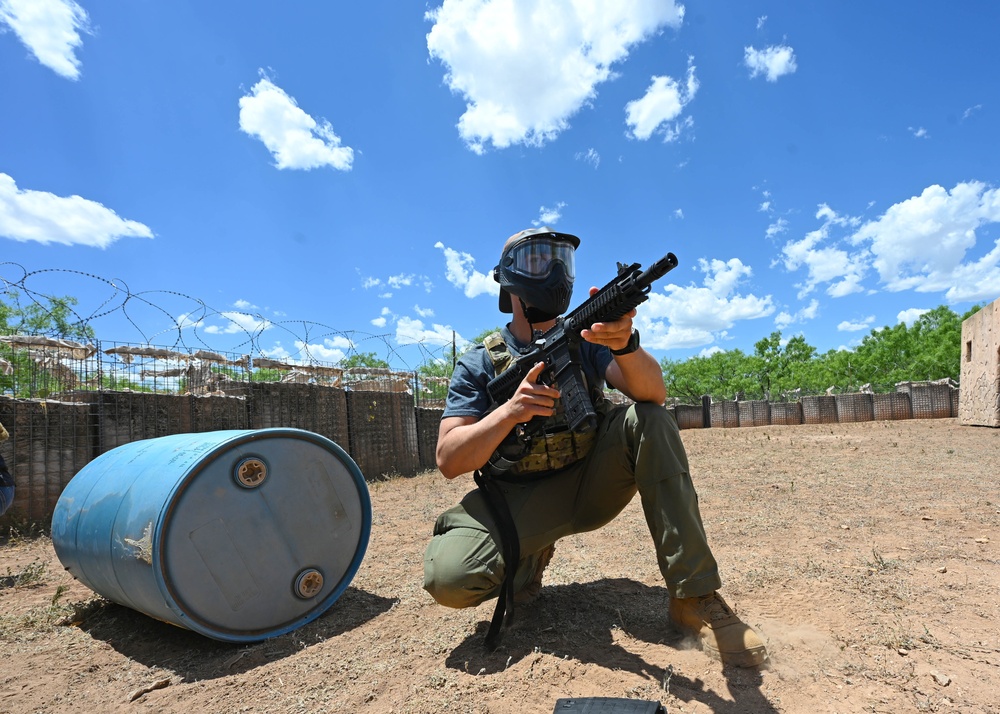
720,632
530,591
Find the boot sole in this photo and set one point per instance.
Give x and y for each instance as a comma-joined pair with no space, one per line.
748,658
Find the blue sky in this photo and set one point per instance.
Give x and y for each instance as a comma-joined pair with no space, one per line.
337,176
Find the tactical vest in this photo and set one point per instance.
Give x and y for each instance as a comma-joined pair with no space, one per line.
556,447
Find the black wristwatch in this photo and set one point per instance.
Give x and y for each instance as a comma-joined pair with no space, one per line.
632,346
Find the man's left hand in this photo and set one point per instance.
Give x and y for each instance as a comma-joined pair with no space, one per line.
614,335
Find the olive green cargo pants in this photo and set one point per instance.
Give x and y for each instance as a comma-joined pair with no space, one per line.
638,448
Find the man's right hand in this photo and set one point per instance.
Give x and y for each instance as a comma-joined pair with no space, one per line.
465,443
532,399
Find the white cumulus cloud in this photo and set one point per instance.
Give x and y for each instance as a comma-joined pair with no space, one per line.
549,216
330,350
402,280
50,29
239,322
776,228
295,139
784,318
590,156
824,260
856,325
772,62
908,317
27,215
693,316
659,108
921,243
410,331
525,67
460,272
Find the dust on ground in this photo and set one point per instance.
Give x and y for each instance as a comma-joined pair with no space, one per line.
866,555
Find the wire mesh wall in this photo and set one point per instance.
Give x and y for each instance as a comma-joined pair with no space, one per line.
40,302
52,368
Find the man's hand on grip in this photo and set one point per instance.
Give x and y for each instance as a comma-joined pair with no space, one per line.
531,398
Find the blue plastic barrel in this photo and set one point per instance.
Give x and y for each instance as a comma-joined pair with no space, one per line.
238,535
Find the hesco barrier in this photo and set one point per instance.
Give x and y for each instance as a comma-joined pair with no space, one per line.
689,417
916,401
50,441
819,410
755,412
786,413
392,447
725,414
854,407
384,432
48,444
929,401
894,405
312,407
428,421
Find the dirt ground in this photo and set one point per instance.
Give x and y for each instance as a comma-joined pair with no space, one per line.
865,554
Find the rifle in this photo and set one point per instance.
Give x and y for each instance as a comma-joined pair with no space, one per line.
559,348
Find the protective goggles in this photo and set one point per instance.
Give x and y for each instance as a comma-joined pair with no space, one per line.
536,257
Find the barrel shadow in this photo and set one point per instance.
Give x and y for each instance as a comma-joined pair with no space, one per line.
193,657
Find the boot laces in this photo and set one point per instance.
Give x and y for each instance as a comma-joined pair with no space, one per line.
714,608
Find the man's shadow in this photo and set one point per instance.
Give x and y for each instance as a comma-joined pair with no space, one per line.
579,621
194,657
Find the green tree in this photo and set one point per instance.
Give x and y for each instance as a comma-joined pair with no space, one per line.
939,334
886,356
363,359
54,317
722,375
834,368
781,367
266,375
443,366
929,349
435,373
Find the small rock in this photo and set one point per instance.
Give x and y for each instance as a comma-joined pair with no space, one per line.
982,540
926,518
845,526
942,679
903,651
942,569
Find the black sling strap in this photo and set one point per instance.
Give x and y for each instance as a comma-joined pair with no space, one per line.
510,545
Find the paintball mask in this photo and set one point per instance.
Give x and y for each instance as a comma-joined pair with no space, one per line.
537,266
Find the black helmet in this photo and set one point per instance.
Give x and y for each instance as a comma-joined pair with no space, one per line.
537,265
